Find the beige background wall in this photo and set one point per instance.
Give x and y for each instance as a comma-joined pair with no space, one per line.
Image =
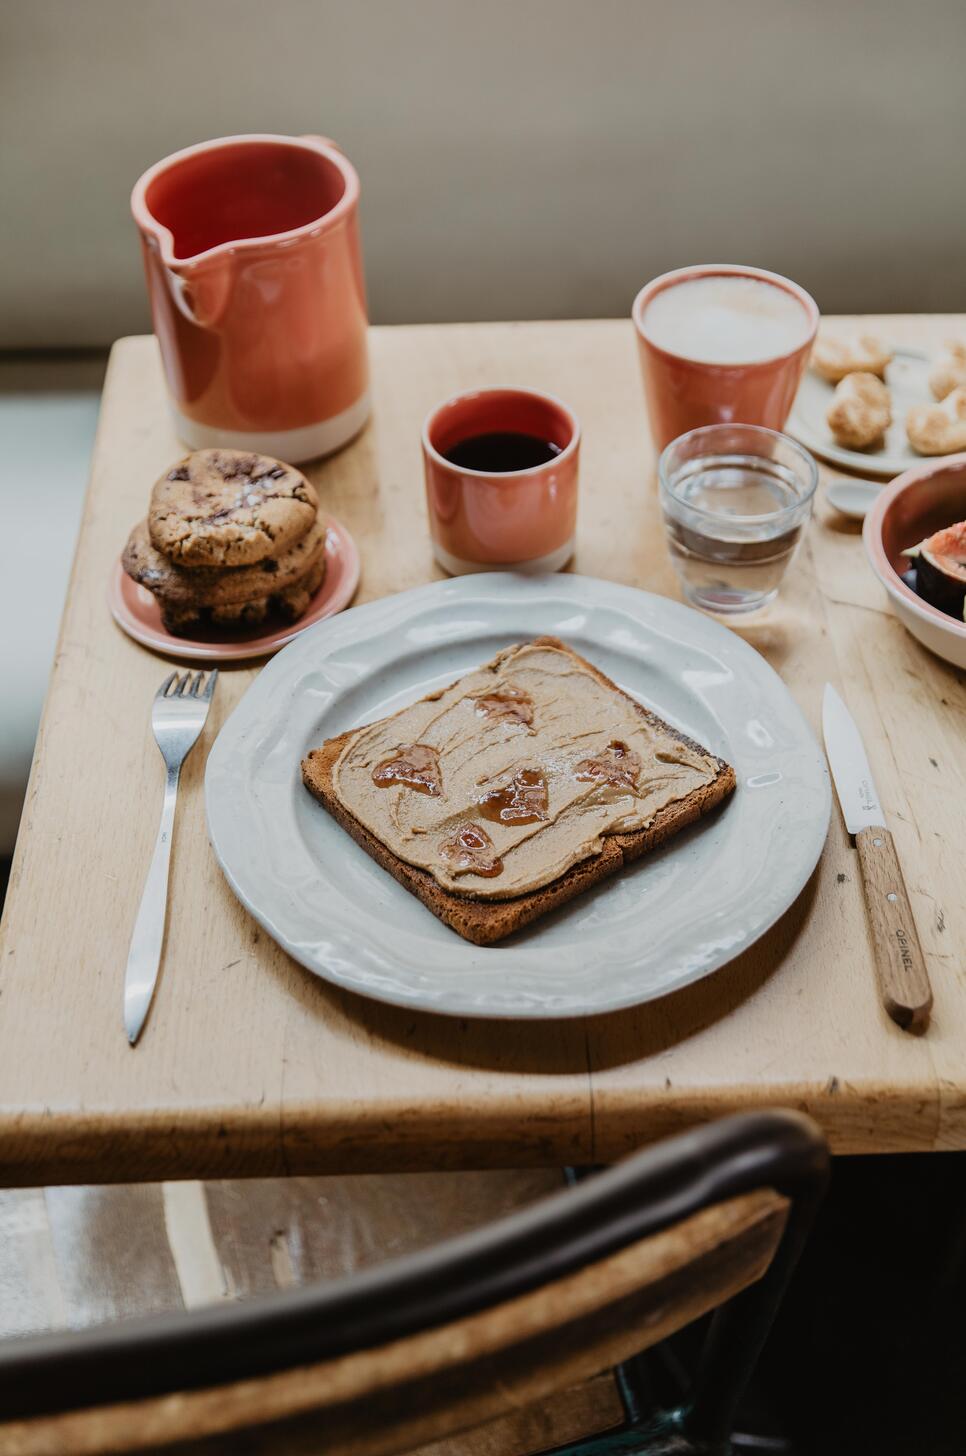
519,158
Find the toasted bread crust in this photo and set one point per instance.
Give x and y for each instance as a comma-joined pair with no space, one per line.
486,921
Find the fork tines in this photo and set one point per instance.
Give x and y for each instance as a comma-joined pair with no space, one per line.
176,685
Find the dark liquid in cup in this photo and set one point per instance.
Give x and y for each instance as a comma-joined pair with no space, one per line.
501,451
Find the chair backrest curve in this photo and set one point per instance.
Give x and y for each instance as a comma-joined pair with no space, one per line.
623,1204
419,1387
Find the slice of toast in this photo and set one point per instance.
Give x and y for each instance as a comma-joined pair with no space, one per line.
486,921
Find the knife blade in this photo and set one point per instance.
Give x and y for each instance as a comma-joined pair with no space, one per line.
849,763
899,962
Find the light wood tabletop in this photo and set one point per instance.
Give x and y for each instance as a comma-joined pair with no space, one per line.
249,1064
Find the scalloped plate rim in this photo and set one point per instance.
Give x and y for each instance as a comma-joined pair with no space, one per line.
352,952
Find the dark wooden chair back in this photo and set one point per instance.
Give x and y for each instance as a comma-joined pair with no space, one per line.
455,1336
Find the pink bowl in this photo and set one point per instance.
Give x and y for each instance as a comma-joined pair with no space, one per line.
923,500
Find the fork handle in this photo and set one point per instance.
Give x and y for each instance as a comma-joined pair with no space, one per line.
147,941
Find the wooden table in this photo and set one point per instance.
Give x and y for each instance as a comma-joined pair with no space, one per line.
250,1065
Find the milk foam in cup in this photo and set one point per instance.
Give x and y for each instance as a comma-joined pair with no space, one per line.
721,343
726,320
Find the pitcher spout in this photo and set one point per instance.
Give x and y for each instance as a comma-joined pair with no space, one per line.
200,291
251,248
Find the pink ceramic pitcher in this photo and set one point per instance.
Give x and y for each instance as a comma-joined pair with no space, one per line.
254,270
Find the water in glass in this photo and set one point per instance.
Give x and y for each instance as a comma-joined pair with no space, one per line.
734,519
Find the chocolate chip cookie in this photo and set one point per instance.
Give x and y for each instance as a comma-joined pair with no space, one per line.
229,508
282,584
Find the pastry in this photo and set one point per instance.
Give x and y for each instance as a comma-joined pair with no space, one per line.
514,789
229,508
244,594
833,358
949,370
860,412
939,429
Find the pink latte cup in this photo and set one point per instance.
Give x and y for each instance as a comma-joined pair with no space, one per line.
685,392
254,272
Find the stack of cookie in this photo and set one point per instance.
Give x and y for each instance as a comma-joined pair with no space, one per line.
230,537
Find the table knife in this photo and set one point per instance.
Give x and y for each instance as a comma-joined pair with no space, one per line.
899,962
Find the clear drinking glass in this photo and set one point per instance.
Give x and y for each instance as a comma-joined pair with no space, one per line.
736,501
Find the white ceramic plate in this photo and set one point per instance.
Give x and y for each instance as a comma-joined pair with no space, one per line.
671,918
908,380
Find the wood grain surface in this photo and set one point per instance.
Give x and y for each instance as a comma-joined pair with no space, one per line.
252,1066
899,962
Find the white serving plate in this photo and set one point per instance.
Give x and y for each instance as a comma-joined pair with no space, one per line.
668,920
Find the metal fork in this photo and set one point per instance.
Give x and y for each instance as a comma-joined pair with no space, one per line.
177,716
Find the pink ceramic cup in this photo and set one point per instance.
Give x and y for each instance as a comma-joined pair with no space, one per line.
683,393
254,271
481,520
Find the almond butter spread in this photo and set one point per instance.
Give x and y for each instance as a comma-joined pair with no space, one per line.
470,851
414,764
534,744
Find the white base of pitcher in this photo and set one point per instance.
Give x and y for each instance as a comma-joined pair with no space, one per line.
293,446
553,561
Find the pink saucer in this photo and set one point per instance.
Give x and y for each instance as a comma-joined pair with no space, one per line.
135,610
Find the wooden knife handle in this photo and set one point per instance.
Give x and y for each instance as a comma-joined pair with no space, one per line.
899,961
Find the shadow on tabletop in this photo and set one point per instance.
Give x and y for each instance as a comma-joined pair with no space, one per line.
842,525
562,1046
778,631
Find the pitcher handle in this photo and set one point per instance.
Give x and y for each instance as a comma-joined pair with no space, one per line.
314,136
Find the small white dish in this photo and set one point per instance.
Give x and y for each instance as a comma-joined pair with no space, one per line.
908,380
673,917
854,498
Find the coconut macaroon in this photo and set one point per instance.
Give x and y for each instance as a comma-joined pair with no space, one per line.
834,358
949,369
860,412
939,429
